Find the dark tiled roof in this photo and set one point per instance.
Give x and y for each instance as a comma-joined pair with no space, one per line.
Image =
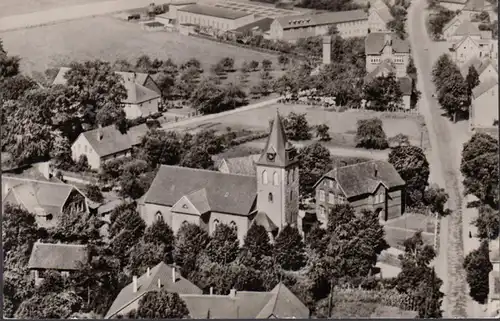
137,94
326,18
138,77
262,25
211,306
405,84
227,193
383,10
199,199
385,65
262,219
484,86
284,305
214,11
278,144
242,165
113,141
458,18
149,283
467,28
360,179
57,256
376,41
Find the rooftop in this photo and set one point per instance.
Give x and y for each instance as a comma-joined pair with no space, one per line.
241,165
383,10
63,257
475,5
375,42
326,18
364,178
137,94
214,11
467,28
484,87
262,25
220,192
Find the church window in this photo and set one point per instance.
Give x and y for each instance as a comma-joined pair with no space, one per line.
233,225
158,216
215,223
270,197
291,194
331,184
321,195
331,198
275,179
264,177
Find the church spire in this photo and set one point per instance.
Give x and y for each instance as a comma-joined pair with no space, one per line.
278,151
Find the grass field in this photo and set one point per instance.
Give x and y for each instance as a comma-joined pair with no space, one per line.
15,7
404,227
110,39
342,124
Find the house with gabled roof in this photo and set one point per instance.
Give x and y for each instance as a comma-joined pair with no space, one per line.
373,185
48,201
352,23
486,68
181,195
387,47
483,111
470,46
453,5
279,303
143,94
160,277
106,143
379,15
62,258
474,7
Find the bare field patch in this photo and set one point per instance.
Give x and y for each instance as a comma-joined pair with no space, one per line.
109,39
15,7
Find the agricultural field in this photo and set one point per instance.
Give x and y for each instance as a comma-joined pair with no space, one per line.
109,39
15,7
404,227
342,124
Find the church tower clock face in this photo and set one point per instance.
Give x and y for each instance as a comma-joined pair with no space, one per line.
271,156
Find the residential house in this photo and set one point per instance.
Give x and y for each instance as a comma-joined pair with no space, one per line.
372,185
62,258
179,195
453,5
216,18
352,23
484,108
279,303
379,16
451,27
48,201
470,46
106,143
260,27
387,47
405,83
239,165
143,94
486,68
160,277
467,28
474,7
494,279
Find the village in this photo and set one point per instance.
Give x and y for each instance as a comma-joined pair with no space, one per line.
247,159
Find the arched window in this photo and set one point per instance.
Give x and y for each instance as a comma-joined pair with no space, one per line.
158,216
291,194
215,223
275,179
184,223
233,225
264,177
270,197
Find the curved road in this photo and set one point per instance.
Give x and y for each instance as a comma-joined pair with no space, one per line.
445,162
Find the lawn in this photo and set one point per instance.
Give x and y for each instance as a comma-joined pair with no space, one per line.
109,39
395,237
15,7
342,124
414,221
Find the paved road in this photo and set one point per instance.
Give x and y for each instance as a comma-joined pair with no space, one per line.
445,159
68,13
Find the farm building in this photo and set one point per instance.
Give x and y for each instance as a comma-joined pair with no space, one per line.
214,17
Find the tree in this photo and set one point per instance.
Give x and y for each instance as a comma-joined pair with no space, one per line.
479,167
453,95
322,132
160,232
144,64
256,245
123,65
126,229
224,245
13,88
383,93
441,69
487,223
191,63
296,126
478,266
227,64
9,65
190,241
436,197
413,167
197,157
472,79
77,228
209,98
166,83
135,179
160,147
314,162
52,306
60,153
162,305
145,255
411,70
288,249
370,134
267,64
254,64
93,192
19,231
437,22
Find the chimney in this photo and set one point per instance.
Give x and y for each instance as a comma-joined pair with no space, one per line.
149,272
134,283
173,275
232,294
159,283
99,133
388,39
375,167
211,291
327,50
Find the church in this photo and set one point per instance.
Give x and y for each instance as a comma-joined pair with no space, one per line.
268,197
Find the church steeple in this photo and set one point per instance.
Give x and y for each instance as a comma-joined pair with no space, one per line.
278,150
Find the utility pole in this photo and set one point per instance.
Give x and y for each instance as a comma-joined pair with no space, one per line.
330,301
421,139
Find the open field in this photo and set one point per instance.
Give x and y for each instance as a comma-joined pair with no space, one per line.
15,7
414,221
109,39
342,124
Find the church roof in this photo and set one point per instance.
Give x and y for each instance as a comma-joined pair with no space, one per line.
278,145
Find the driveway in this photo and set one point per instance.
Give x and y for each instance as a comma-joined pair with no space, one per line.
445,159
